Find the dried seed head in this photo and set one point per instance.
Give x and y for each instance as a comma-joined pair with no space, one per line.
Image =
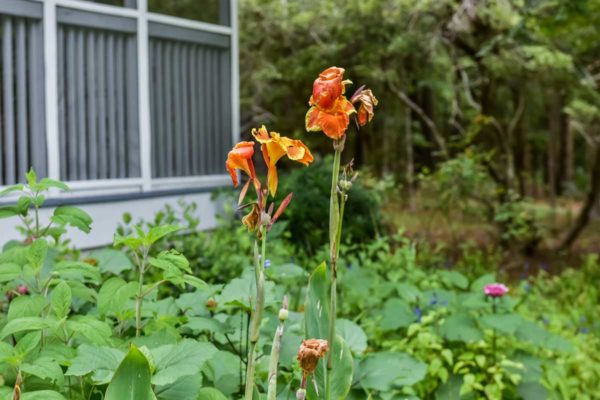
310,352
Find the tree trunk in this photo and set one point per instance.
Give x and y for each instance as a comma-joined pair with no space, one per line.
591,199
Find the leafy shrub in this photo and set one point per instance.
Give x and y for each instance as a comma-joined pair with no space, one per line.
309,211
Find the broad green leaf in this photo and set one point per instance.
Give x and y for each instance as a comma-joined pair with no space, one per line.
210,394
8,211
353,334
386,371
504,323
455,278
10,189
89,329
42,395
101,361
532,391
479,283
182,359
316,315
286,272
47,183
132,242
131,381
450,390
31,177
74,216
410,293
9,272
28,343
45,368
113,295
77,270
26,306
37,253
461,327
158,232
24,324
185,388
223,371
170,259
396,314
204,324
111,260
61,300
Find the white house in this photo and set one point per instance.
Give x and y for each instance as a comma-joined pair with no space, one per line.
131,107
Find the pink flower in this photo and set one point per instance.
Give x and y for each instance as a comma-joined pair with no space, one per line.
22,289
495,290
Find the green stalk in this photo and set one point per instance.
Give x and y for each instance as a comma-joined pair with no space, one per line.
275,349
140,295
334,238
256,317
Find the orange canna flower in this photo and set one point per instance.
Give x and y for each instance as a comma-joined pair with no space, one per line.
309,354
274,146
240,157
367,101
330,110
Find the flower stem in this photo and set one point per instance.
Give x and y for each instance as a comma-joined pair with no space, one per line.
334,244
494,332
140,295
275,349
256,317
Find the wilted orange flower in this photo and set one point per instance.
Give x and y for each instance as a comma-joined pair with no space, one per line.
252,219
330,110
310,352
274,146
367,101
240,157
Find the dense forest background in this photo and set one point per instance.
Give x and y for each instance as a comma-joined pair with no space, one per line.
501,95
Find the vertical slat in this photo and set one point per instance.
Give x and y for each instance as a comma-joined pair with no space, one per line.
177,110
8,93
202,121
210,131
62,102
185,103
225,80
2,61
37,133
158,110
21,92
133,137
102,144
152,57
81,133
120,86
168,132
71,105
194,111
92,95
111,106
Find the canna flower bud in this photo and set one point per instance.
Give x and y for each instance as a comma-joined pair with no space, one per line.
283,314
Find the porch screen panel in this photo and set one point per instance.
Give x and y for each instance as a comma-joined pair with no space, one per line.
22,118
190,101
98,103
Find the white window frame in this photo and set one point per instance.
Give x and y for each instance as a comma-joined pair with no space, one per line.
141,14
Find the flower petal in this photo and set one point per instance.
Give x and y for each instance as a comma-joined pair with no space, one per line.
334,125
311,120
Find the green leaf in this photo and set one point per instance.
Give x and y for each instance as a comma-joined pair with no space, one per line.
24,324
26,306
8,211
131,381
461,327
28,343
532,391
88,328
31,177
45,368
132,242
9,272
505,323
185,388
223,370
37,253
386,371
10,189
396,314
77,270
74,216
316,316
42,395
204,324
113,295
210,394
61,300
455,278
353,335
171,259
479,283
111,260
47,183
182,359
101,361
158,232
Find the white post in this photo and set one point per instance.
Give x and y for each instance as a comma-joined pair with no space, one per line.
51,88
235,73
144,95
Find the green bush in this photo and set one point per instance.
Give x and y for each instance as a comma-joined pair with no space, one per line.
308,213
